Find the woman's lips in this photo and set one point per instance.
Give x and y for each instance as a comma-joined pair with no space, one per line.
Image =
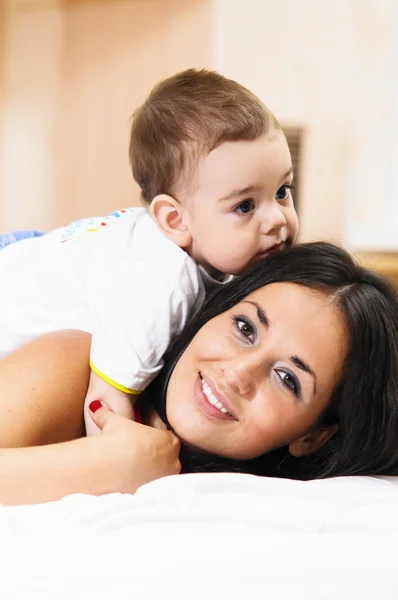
204,405
218,395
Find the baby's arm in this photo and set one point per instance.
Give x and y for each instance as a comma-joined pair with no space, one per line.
139,293
120,402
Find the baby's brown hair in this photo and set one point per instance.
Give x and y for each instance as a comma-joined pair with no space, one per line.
183,119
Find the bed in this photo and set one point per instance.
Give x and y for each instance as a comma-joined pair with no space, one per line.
208,536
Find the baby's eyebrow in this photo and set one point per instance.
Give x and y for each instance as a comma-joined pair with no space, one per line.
250,189
287,174
239,192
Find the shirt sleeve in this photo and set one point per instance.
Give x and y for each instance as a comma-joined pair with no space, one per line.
136,308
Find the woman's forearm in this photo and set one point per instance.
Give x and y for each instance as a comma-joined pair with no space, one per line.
45,473
125,456
42,389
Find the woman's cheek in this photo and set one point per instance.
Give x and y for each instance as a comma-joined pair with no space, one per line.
214,345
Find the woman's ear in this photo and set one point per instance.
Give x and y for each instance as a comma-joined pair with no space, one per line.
168,214
311,442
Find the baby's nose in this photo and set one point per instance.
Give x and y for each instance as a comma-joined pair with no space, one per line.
274,221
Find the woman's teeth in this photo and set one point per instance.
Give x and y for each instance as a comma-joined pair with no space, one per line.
211,398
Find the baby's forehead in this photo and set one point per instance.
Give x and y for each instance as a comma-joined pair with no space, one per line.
234,166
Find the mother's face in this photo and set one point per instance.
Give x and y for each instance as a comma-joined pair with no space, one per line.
259,376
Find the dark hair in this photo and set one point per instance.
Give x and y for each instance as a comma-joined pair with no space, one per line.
183,119
364,403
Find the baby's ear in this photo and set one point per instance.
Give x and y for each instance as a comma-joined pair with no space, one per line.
168,214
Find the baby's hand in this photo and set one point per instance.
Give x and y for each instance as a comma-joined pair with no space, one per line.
120,402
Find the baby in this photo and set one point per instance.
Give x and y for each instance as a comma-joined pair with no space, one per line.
215,173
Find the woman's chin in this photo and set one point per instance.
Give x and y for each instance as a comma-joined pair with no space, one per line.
190,442
193,448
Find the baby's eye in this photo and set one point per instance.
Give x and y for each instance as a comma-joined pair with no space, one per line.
245,207
283,192
246,328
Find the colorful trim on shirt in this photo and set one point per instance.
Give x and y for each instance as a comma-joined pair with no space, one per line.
75,230
114,384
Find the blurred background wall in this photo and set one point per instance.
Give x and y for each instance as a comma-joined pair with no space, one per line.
73,71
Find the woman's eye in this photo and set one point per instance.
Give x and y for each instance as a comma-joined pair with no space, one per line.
283,192
289,381
245,207
245,328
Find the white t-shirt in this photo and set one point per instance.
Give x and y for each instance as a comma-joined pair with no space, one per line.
117,277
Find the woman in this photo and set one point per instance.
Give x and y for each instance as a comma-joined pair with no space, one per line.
360,413
290,370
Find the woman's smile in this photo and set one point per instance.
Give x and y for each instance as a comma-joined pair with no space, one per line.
210,402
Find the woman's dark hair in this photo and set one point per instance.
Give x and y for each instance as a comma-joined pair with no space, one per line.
365,401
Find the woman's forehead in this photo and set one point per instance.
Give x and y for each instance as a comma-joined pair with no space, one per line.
285,291
285,304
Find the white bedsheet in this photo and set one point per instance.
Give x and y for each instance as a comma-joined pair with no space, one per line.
196,536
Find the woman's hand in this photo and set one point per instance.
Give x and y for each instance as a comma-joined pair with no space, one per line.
131,453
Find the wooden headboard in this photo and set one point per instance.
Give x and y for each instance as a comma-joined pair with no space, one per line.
385,263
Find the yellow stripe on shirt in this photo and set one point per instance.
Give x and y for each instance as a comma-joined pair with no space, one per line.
114,384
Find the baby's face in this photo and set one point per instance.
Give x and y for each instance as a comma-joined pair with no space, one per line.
241,208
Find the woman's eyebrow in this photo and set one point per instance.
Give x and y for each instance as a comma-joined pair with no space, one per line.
304,367
262,317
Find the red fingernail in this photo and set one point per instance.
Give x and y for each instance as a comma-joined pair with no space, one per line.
95,405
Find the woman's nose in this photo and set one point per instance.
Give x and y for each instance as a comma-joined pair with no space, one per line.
241,375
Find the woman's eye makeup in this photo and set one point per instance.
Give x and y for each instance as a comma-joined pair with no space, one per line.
245,207
245,327
289,380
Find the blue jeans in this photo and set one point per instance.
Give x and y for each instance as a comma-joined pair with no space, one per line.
15,236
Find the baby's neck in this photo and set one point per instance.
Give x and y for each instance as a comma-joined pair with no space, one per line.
214,273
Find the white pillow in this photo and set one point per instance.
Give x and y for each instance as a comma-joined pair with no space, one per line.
206,535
